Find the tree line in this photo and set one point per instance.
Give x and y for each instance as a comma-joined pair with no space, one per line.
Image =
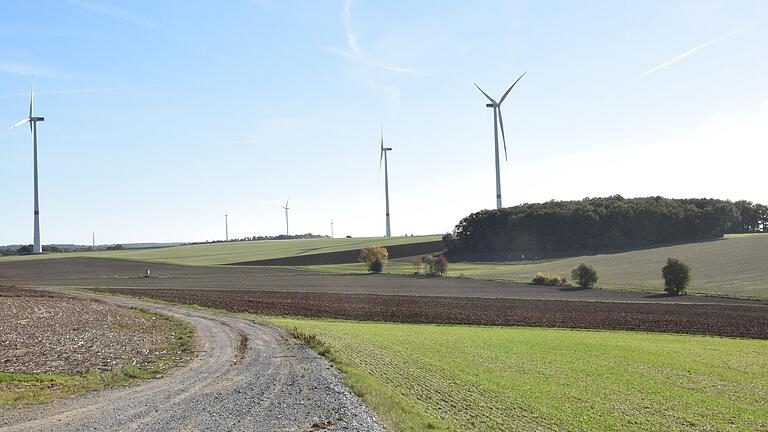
563,228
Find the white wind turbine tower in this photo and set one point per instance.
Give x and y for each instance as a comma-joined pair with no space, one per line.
32,120
498,120
226,226
383,156
285,207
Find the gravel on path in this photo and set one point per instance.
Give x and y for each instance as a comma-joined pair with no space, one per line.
248,376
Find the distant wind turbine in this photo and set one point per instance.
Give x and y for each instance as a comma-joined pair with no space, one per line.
498,120
226,226
285,207
383,156
32,120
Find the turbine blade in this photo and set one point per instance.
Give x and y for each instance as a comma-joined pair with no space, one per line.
26,120
32,97
381,151
510,88
503,138
486,94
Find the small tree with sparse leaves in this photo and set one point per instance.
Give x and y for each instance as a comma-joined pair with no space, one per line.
375,257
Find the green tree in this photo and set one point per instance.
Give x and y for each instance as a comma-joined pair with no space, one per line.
677,276
585,276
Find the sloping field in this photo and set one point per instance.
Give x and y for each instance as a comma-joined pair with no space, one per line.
349,256
450,378
233,252
735,266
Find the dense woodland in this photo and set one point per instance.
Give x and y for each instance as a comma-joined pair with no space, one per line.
562,228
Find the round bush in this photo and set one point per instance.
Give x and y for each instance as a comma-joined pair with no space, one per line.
585,275
677,275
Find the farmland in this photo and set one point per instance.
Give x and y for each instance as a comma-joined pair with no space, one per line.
233,252
55,346
717,318
440,377
733,266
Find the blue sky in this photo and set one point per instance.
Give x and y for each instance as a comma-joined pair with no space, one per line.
161,115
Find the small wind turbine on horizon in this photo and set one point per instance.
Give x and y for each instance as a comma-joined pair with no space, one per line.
226,226
32,120
285,207
498,121
383,156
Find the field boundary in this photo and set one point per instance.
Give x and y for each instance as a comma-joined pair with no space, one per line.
347,256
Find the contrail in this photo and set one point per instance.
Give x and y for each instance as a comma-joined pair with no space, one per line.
687,53
116,13
355,54
346,16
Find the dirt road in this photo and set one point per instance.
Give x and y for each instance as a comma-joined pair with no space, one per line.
247,376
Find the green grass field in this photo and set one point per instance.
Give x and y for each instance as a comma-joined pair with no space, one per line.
225,253
735,266
452,378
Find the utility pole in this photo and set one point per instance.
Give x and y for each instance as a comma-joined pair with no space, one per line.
331,228
226,227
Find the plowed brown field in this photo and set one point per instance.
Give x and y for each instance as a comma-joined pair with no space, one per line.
708,319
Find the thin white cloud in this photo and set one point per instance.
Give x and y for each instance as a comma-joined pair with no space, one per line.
14,68
346,17
68,91
354,53
687,53
116,13
360,60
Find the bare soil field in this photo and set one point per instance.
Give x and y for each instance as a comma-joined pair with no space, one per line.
707,319
348,256
43,332
94,272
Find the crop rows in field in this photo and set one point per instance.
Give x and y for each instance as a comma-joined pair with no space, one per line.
523,379
709,319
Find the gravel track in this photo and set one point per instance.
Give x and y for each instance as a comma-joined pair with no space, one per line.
248,376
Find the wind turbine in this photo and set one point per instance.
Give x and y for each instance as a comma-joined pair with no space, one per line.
383,156
285,207
32,120
498,120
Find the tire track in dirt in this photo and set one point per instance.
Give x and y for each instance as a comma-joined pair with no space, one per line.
268,383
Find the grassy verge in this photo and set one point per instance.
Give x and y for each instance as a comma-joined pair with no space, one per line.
18,389
436,377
